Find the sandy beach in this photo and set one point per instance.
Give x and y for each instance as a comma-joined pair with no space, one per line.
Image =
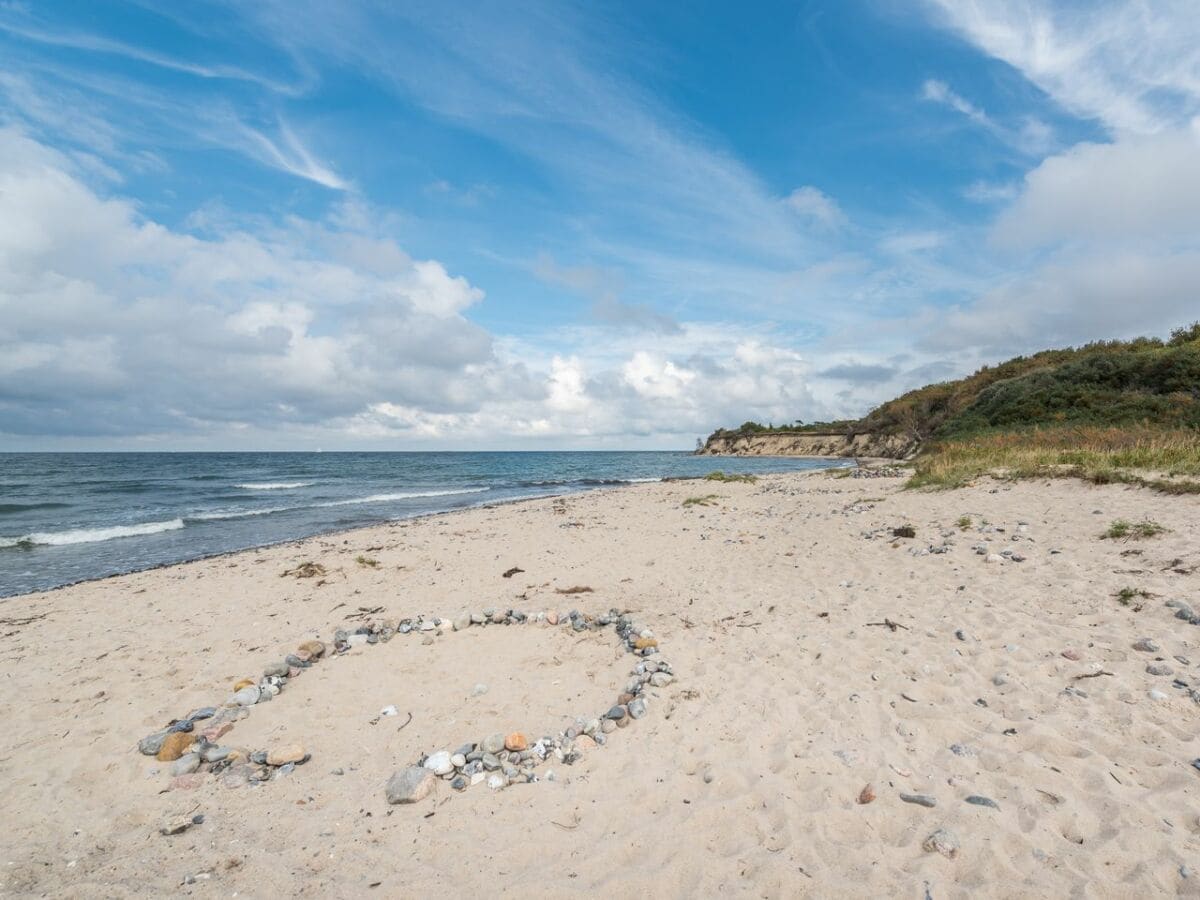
1015,682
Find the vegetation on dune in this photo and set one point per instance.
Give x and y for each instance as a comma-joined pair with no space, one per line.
706,500
1109,412
1122,529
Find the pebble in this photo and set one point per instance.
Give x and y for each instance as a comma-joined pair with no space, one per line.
458,760
288,753
247,696
944,841
1146,645
439,763
174,745
212,753
999,679
977,800
920,800
1159,669
490,761
493,743
1071,654
616,713
389,711
1156,694
356,640
497,782
516,742
204,712
410,785
994,558
315,649
867,795
637,708
152,743
479,690
186,764
277,669
608,726
462,623
962,750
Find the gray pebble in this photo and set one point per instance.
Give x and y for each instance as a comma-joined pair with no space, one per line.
186,764
1145,645
920,799
977,800
1159,669
152,743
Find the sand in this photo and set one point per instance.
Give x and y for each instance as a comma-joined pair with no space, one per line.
742,780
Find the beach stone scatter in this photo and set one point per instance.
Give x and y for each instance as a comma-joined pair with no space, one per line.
499,759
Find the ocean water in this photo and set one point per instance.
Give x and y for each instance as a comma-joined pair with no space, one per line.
68,517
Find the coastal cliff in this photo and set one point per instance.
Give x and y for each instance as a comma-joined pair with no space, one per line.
808,443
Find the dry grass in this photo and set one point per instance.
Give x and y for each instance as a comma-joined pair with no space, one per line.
1148,457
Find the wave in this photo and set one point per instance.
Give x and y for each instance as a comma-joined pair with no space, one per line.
587,482
12,508
404,495
273,485
235,513
90,535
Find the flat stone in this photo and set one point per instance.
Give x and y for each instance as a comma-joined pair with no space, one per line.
516,742
357,640
637,708
214,732
1146,645
288,753
186,764
242,683
616,713
977,800
152,743
867,795
493,743
920,800
204,712
410,785
1159,669
661,679
458,760
608,726
1070,654
490,761
462,623
439,763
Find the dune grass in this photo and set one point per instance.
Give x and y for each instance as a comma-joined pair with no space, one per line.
706,500
1161,459
731,477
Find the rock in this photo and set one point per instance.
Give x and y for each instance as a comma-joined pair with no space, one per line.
993,558
174,745
920,800
247,696
516,742
152,743
179,824
356,640
214,732
276,669
410,785
439,763
242,683
962,750
644,642
977,800
479,690
204,712
493,743
212,754
943,841
315,649
187,782
462,623
661,679
999,679
497,782
1156,694
616,713
490,761
608,726
288,753
867,795
1145,645
585,743
185,765
637,708
1070,654
1159,669
458,760
460,782
552,617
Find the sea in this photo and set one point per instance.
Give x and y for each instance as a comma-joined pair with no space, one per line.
70,517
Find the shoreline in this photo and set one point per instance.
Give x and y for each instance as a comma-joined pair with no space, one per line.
785,702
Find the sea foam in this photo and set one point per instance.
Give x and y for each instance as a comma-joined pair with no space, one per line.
90,535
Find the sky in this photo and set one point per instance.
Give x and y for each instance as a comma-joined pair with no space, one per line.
293,224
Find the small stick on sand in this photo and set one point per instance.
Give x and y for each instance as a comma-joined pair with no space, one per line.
890,624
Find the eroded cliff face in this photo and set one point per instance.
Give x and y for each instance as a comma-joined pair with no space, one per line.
805,443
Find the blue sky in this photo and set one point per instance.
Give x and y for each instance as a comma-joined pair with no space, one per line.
462,225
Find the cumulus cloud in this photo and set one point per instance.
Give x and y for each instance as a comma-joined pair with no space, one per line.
115,326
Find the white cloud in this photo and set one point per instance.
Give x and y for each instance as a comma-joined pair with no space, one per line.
940,92
289,154
1136,188
816,206
117,329
1135,66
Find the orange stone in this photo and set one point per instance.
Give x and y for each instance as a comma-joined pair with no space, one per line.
315,648
552,618
643,643
175,746
867,794
516,742
243,683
